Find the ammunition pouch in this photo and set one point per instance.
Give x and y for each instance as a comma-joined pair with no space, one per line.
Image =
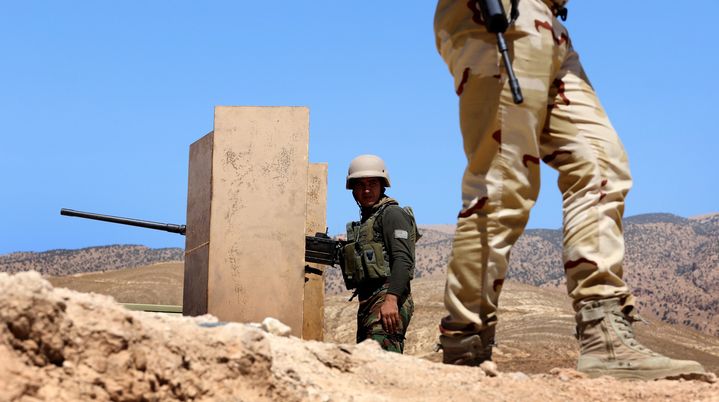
373,261
363,262
365,258
352,272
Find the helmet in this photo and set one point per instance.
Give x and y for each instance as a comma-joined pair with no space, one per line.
367,166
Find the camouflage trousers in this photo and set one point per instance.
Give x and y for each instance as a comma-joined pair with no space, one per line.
560,123
369,325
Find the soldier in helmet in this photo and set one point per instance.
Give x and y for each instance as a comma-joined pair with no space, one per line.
379,256
561,123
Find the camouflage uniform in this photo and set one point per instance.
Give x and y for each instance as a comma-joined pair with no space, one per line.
399,253
562,123
369,325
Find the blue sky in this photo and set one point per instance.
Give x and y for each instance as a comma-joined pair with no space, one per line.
99,102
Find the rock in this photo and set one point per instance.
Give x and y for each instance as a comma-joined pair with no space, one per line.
518,376
565,374
276,327
710,378
490,368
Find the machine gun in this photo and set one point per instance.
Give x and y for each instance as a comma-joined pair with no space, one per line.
320,248
496,22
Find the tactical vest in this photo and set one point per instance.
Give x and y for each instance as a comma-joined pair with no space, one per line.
365,254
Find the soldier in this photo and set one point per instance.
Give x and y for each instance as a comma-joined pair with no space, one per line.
379,256
562,123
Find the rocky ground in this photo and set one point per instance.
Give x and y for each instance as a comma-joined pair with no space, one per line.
59,345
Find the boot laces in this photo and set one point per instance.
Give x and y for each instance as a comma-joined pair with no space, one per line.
624,325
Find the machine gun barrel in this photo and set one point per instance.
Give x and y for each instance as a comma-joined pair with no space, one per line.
319,248
167,227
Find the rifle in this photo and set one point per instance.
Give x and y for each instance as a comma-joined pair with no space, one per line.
320,248
496,22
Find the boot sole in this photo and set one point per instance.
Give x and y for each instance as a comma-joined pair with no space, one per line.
645,374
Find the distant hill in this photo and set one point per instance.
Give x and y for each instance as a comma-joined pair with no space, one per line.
672,263
91,259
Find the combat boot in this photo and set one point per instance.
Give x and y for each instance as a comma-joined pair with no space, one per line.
466,350
608,347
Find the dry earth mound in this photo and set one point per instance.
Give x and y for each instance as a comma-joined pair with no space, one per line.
59,345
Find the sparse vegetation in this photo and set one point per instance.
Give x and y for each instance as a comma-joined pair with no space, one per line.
63,262
672,263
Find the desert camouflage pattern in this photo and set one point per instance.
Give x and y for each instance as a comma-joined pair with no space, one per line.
561,123
369,325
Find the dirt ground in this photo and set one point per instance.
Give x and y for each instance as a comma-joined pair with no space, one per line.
159,283
59,345
535,332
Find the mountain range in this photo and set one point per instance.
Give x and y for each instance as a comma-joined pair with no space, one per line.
671,263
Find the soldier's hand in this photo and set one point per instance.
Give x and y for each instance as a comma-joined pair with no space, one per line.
389,314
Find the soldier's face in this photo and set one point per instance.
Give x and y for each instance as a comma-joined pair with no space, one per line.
367,190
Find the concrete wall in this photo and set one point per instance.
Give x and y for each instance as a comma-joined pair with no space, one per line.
253,245
313,317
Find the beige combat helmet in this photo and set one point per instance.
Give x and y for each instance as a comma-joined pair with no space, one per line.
367,166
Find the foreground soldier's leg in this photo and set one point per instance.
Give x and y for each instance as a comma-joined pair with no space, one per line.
501,180
594,178
581,144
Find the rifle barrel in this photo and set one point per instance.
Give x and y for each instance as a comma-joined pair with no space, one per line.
167,227
513,82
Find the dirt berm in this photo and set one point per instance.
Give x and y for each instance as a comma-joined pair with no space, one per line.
59,345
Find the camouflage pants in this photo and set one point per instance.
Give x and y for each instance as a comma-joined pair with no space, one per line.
369,325
561,123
